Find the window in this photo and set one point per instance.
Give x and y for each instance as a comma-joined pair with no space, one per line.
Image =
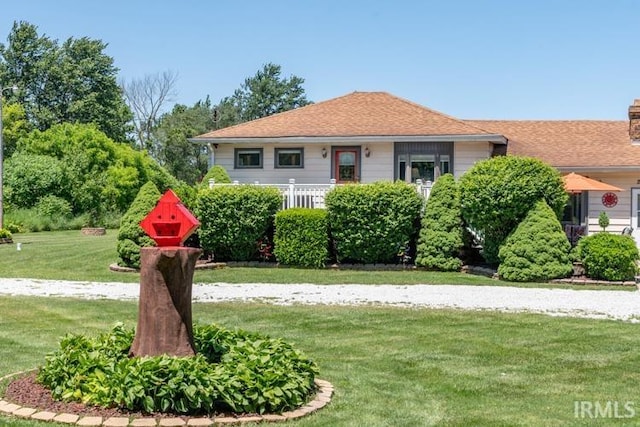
289,158
422,160
248,158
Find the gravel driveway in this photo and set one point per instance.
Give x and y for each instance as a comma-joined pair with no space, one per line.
620,305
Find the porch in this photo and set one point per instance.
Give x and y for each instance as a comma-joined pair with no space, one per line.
313,195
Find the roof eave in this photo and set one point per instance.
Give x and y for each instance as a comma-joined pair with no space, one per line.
494,138
611,168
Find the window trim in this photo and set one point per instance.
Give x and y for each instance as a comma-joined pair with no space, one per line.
238,151
276,152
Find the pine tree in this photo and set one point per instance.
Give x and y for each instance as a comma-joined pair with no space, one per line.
131,237
440,237
537,249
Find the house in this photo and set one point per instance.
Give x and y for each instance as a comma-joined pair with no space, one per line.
371,136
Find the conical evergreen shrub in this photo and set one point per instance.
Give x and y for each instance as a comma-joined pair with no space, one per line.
131,237
537,250
440,237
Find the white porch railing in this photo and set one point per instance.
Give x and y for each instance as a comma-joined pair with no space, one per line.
313,195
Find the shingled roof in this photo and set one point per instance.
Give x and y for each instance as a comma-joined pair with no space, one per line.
569,144
355,114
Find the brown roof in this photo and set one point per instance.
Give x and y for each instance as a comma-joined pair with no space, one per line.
568,143
355,114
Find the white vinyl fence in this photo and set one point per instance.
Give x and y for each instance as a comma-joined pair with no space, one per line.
313,195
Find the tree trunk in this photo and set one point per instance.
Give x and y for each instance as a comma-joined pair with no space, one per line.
164,316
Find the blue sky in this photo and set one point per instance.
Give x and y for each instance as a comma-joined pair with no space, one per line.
482,59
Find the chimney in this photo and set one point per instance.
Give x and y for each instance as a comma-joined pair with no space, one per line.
634,120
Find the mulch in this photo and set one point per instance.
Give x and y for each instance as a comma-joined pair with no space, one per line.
27,392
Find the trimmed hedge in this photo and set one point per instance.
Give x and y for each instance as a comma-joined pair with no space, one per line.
301,237
371,223
497,194
440,238
131,237
608,256
234,218
537,250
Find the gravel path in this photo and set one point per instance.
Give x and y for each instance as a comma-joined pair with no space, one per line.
620,305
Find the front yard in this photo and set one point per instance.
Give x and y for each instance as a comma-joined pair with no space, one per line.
395,366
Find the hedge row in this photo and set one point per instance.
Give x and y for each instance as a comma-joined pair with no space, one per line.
376,223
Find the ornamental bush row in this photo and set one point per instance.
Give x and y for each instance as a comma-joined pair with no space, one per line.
367,223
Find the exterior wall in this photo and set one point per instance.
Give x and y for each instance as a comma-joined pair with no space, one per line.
379,165
619,215
466,154
317,170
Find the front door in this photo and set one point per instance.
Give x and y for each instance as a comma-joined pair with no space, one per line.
346,167
635,214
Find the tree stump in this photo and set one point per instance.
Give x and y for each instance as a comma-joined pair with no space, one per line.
164,315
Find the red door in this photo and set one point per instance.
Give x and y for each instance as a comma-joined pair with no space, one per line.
346,165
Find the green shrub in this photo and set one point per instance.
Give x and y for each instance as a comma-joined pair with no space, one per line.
131,237
30,220
497,193
301,237
371,223
233,371
234,218
440,238
603,220
608,256
30,177
53,206
218,174
5,234
537,250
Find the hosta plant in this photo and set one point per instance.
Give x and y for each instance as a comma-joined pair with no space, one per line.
234,371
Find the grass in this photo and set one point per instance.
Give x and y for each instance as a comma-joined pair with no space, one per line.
68,255
391,366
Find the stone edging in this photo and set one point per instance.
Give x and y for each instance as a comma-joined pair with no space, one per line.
322,398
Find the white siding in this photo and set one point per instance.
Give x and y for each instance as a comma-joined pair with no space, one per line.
379,165
317,170
466,154
619,215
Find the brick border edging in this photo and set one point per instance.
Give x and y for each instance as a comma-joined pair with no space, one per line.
322,398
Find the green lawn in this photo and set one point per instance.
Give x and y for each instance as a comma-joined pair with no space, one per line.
391,366
72,256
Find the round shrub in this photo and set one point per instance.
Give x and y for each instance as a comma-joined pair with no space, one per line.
537,250
609,256
5,234
131,237
53,206
497,194
234,371
301,237
218,174
440,237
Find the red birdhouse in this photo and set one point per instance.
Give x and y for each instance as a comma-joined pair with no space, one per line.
170,223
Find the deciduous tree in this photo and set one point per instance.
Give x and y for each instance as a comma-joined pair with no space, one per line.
262,95
147,97
71,82
183,159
